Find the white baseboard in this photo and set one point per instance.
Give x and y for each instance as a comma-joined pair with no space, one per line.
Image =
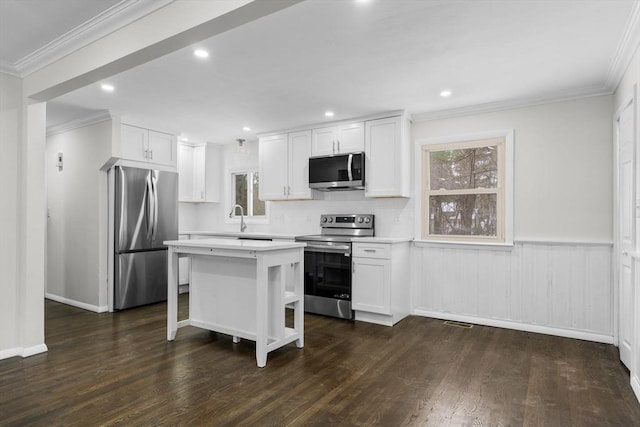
547,330
11,352
36,349
23,352
82,305
635,386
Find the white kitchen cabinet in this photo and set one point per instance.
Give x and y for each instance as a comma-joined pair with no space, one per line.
387,154
148,146
185,172
273,155
371,283
380,282
200,170
338,139
284,166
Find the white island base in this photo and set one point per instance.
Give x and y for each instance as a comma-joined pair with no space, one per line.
238,287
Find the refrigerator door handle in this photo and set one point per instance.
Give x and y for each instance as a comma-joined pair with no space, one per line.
123,211
148,206
154,188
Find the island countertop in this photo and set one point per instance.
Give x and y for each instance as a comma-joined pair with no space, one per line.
235,244
258,235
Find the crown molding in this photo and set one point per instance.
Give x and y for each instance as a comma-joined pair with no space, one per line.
9,68
110,20
98,117
629,43
511,104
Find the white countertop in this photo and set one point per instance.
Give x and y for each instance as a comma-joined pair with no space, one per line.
382,239
247,235
282,236
235,244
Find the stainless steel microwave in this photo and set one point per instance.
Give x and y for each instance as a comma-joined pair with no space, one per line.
337,172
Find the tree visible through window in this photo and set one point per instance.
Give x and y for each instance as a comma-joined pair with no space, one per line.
245,193
463,190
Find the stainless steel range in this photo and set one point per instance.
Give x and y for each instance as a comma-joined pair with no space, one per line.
327,263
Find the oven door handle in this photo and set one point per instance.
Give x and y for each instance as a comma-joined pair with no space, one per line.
341,249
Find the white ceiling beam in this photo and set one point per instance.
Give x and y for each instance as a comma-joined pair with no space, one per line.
175,26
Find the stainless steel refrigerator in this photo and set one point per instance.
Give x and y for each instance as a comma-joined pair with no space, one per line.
146,214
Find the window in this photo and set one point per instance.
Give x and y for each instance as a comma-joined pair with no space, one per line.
466,190
245,193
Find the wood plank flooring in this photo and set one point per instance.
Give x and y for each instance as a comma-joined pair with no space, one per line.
118,369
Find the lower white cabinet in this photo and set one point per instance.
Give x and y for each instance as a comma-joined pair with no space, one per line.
380,282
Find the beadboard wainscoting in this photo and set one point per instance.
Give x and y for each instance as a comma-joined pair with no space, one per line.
563,289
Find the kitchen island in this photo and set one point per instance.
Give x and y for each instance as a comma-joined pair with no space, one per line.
240,288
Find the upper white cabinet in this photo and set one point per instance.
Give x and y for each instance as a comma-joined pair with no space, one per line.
343,138
273,155
199,167
185,172
284,166
148,146
387,154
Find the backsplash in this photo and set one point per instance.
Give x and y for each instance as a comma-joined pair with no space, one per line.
394,217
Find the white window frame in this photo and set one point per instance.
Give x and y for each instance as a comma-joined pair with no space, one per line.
230,199
421,205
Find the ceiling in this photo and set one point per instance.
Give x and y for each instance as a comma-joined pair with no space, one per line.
355,58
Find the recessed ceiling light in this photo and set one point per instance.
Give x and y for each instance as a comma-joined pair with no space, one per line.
107,87
184,139
328,114
201,53
246,128
445,93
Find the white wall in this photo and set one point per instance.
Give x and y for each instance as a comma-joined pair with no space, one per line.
75,226
10,112
557,277
563,165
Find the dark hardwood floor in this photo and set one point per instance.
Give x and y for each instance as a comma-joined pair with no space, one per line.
106,369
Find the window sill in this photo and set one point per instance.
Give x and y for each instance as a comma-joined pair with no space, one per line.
463,245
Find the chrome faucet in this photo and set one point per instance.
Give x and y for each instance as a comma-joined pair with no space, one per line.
243,226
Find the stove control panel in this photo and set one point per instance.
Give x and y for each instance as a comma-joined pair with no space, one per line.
347,221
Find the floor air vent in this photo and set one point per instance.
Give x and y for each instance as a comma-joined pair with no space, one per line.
458,324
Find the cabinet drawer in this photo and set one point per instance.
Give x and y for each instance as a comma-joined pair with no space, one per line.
371,250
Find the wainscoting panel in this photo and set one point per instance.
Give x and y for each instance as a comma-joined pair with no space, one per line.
559,288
